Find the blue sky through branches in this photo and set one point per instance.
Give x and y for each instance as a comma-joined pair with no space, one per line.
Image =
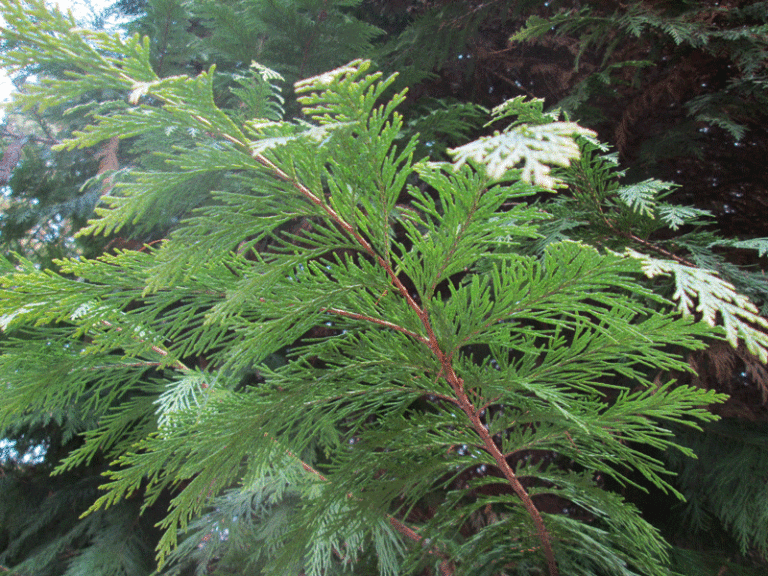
84,11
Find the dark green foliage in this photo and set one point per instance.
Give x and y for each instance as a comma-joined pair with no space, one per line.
683,32
42,537
727,484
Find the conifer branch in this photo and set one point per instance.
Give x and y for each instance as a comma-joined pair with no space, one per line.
658,249
644,243
633,237
445,360
490,446
126,365
574,329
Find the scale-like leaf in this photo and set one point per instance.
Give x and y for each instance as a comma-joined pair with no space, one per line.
532,149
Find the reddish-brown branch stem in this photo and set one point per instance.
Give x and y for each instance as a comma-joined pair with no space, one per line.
487,405
490,446
356,316
178,364
126,365
658,249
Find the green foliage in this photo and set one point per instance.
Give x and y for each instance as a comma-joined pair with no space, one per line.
50,194
298,38
736,33
436,36
727,484
112,542
349,357
630,214
440,123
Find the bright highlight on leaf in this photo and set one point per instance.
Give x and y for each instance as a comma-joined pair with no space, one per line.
532,148
703,291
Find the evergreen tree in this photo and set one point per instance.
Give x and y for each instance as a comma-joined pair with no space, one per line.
348,354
